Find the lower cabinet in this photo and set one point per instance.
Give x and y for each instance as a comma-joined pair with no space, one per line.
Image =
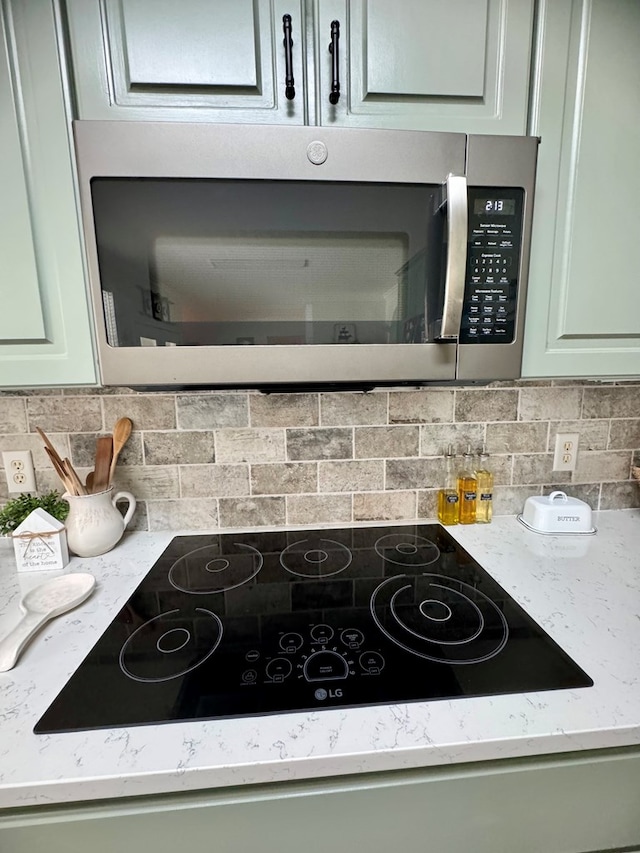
582,308
563,803
45,336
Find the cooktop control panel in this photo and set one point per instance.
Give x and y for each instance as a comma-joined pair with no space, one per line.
493,261
318,654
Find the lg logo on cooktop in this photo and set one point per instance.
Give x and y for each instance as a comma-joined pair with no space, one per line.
321,694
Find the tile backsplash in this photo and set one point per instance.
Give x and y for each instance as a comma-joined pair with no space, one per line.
199,460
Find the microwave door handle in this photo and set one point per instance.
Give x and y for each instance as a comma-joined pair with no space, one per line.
289,82
454,282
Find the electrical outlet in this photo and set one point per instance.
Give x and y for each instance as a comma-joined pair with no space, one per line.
18,467
566,451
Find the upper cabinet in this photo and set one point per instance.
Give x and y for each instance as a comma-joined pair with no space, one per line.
195,60
45,336
582,309
462,65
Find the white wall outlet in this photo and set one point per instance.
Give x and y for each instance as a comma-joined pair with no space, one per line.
566,451
18,467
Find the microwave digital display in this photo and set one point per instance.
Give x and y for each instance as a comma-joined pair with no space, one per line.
500,206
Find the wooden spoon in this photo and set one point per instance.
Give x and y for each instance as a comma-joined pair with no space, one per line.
121,432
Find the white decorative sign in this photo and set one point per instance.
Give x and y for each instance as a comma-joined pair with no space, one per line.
40,543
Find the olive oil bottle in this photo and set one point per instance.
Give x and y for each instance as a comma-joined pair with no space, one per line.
448,501
467,489
484,479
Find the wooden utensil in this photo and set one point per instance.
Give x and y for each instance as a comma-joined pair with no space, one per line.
78,488
121,432
102,467
53,453
67,473
60,470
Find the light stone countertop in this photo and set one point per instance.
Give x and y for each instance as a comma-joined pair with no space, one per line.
584,591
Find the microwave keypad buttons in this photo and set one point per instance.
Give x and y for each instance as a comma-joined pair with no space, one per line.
495,225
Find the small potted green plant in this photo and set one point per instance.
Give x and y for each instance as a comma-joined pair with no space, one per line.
17,509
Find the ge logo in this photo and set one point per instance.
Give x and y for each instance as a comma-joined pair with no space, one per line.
317,152
321,694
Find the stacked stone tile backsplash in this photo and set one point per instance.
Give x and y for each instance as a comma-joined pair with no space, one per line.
200,460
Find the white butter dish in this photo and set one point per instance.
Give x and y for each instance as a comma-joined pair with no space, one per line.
557,513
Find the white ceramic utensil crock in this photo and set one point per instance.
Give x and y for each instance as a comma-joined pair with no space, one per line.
94,524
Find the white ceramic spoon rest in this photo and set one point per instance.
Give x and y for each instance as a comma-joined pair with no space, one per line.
41,604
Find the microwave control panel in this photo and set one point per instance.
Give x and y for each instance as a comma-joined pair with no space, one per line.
493,264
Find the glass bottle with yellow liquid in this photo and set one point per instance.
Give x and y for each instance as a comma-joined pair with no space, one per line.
448,501
484,479
467,489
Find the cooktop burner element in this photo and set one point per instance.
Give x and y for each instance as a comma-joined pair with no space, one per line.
166,646
315,557
438,618
234,625
204,570
407,549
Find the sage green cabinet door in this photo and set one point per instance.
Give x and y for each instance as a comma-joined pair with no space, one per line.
45,336
583,315
462,65
195,60
19,272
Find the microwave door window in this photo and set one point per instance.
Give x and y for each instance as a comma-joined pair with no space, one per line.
247,263
422,281
306,288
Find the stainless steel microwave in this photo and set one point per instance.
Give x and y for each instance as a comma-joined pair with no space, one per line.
262,257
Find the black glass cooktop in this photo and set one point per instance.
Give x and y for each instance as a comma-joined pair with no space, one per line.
234,625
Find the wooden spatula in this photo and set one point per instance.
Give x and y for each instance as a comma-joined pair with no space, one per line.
104,452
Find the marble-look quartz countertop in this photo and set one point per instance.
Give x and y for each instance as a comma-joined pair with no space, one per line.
584,591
